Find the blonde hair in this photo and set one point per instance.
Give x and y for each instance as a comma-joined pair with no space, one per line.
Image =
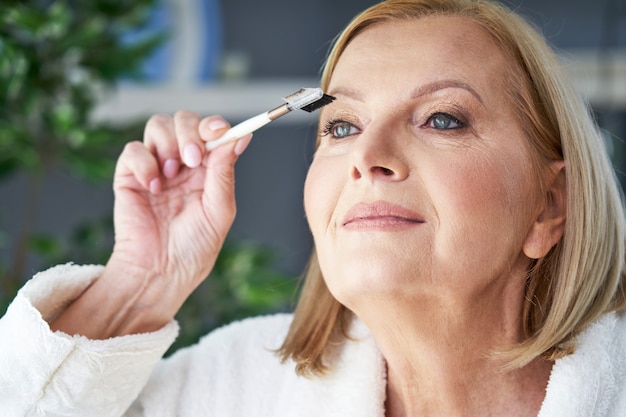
582,277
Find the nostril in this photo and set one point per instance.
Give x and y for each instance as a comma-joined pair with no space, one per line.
382,170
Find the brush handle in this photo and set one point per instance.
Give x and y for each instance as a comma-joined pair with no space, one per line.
240,130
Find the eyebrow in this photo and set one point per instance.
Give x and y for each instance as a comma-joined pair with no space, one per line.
441,85
417,92
347,92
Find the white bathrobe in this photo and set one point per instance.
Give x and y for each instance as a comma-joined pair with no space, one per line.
234,372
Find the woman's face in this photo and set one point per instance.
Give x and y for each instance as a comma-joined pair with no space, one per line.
422,182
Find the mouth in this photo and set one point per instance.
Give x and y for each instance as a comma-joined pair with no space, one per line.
380,215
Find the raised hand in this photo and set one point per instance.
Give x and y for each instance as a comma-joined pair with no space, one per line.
174,205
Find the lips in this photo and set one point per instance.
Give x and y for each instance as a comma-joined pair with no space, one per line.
380,215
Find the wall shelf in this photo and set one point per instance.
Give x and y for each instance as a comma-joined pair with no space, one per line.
235,101
600,78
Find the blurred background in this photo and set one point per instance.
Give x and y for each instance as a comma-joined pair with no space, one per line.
79,78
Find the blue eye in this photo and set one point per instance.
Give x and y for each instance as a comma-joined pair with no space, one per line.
443,121
339,129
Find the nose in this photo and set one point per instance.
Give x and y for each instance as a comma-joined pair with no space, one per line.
376,155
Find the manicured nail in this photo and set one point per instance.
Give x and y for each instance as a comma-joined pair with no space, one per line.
192,155
217,124
170,167
242,144
155,186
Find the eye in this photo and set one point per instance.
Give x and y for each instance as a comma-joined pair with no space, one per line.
339,129
444,121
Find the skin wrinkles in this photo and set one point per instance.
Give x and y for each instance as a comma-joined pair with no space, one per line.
417,92
414,110
453,285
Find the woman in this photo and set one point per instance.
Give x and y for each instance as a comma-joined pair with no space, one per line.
469,250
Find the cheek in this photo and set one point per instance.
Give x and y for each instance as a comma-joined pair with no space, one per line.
321,189
484,205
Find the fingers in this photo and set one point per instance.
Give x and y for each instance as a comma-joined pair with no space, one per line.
159,137
137,163
173,142
212,128
186,125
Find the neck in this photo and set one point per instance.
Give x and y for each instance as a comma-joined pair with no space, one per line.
440,358
477,390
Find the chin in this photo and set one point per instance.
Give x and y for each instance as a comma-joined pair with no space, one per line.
368,280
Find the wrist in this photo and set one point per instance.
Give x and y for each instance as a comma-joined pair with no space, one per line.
125,299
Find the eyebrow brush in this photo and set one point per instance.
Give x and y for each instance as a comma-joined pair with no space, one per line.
307,99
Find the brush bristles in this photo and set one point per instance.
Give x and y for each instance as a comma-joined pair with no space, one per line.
319,103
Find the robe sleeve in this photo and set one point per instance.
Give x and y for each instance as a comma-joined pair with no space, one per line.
46,373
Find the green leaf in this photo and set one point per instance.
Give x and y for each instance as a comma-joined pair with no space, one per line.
46,246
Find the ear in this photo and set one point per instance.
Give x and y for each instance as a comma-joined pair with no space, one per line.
549,226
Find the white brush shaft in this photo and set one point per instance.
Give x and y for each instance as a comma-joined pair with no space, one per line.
240,130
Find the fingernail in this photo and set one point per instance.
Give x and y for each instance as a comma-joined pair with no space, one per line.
191,155
217,124
170,168
242,144
155,186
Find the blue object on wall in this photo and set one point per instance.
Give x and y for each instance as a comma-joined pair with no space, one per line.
212,35
192,53
155,68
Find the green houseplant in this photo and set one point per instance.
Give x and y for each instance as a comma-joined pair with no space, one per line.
56,60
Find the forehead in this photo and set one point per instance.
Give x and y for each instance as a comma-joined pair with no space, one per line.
434,46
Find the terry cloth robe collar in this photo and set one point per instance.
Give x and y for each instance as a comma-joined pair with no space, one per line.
592,380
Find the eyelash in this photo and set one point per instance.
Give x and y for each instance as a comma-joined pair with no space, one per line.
459,124
333,123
